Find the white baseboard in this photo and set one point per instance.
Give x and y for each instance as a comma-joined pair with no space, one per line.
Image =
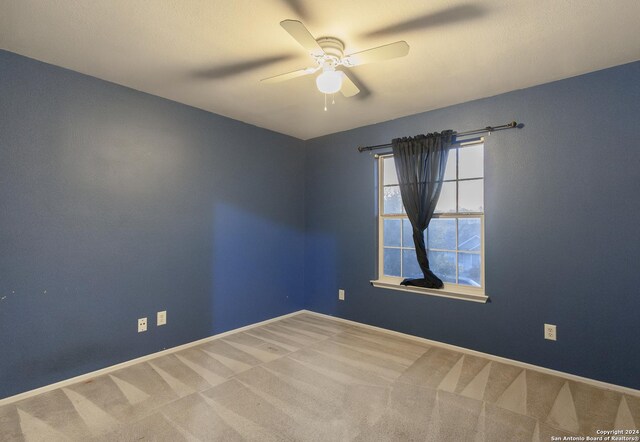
102,371
568,376
93,374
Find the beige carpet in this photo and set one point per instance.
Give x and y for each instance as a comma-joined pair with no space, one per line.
310,378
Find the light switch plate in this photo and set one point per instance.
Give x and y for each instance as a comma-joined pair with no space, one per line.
162,317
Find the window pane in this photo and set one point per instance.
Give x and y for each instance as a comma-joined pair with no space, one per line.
454,244
471,196
410,267
407,234
392,262
392,200
469,234
450,171
471,162
392,232
447,200
389,167
442,233
443,264
469,269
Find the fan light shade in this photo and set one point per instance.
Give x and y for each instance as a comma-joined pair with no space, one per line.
329,81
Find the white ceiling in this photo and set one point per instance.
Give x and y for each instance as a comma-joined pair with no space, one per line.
183,49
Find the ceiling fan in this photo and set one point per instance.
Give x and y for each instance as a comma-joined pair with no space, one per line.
328,54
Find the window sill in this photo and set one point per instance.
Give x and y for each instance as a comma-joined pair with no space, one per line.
444,293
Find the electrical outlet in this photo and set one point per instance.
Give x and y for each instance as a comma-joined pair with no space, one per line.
341,295
142,325
162,317
550,332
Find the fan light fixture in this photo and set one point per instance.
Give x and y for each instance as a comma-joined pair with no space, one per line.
327,54
329,81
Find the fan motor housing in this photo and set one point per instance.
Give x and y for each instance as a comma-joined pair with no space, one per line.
332,47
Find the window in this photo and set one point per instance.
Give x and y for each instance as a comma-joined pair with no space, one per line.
455,237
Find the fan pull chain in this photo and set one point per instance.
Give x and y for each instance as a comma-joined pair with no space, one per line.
325,102
333,99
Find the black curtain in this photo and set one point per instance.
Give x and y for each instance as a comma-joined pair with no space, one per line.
420,164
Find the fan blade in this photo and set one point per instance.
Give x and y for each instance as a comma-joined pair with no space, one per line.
228,70
289,75
302,35
362,87
386,52
349,88
298,8
451,15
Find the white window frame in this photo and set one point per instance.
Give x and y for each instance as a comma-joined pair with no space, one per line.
456,291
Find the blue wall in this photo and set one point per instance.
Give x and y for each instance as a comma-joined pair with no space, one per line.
115,204
562,237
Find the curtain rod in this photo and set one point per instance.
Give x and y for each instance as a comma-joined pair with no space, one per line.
489,129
